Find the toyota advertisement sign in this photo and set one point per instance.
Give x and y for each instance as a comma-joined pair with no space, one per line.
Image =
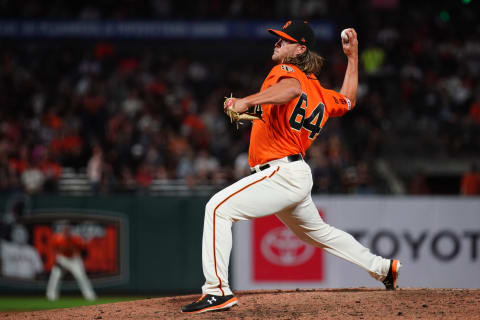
437,240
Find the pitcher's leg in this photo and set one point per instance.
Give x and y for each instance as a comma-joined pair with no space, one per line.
246,199
216,247
306,223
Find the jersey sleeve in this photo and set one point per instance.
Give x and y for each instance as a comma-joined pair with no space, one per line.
336,103
281,71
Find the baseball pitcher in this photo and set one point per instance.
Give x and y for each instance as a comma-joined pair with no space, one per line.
67,249
288,114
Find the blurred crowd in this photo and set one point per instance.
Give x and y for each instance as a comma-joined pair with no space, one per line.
130,113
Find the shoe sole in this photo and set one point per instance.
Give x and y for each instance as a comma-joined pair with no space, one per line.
396,265
227,304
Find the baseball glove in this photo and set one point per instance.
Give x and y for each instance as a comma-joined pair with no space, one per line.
235,116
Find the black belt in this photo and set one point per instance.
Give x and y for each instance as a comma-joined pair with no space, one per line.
291,158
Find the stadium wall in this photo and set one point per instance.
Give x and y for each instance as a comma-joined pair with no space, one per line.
157,248
153,244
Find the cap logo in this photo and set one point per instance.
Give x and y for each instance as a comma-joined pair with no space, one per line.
303,39
285,26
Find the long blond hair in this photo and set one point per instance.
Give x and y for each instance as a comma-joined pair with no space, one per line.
308,62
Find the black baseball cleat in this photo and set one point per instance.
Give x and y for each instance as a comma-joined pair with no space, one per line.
209,302
391,279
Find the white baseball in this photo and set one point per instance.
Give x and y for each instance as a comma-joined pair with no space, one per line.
344,35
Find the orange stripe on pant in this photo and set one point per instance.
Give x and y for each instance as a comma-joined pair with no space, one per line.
214,214
278,168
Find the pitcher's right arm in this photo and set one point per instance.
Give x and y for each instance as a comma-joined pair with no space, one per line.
350,82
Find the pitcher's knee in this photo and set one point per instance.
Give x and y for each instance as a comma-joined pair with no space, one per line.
217,206
211,206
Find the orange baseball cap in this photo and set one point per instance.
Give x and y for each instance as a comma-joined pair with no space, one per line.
296,31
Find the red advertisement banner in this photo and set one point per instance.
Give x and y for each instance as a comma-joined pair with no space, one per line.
278,255
100,252
28,254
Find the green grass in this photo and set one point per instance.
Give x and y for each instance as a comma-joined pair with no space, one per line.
18,303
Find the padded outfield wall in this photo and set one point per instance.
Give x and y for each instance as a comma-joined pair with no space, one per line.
153,244
134,244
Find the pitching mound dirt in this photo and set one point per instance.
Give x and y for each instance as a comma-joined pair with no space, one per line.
352,303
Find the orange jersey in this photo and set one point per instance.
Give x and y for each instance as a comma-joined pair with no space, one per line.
67,246
292,127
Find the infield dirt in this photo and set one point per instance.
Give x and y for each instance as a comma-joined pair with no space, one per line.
352,303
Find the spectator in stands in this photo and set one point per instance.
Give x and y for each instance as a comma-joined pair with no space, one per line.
126,181
474,112
205,166
144,177
241,168
32,178
50,168
470,184
185,168
9,181
95,168
18,160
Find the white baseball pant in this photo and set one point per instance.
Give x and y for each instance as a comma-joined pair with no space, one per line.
284,190
75,266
